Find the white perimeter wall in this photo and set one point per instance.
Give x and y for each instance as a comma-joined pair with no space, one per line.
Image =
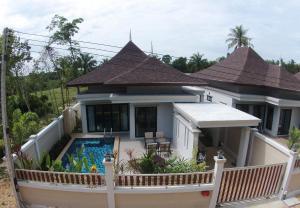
185,137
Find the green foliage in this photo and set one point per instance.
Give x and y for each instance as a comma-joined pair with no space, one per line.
39,105
23,126
78,162
294,138
24,162
238,37
180,64
51,165
86,62
197,62
290,65
166,59
151,163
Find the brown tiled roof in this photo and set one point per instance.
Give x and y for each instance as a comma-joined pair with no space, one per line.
244,66
297,75
131,66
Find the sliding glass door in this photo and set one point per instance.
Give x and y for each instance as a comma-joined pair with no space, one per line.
145,120
284,121
107,116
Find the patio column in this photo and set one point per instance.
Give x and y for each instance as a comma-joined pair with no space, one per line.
243,147
83,118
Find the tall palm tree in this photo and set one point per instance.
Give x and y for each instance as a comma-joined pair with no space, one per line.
238,37
86,62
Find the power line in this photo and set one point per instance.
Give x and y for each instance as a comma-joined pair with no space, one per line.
88,42
252,73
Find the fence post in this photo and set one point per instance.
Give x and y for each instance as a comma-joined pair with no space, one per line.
36,146
58,126
288,174
109,179
218,172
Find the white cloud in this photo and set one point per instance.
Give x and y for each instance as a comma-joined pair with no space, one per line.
174,27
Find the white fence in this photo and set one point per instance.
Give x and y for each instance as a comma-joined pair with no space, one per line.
43,141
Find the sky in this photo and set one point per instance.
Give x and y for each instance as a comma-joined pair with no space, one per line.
178,28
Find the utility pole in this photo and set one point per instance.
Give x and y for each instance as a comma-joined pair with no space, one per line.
9,159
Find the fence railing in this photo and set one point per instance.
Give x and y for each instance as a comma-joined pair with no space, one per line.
250,182
297,163
91,179
164,179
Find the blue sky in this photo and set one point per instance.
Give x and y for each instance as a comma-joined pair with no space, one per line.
179,28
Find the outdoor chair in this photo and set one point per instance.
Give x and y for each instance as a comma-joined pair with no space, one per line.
159,134
149,138
151,147
164,147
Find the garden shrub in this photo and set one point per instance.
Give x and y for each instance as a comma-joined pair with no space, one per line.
152,163
23,126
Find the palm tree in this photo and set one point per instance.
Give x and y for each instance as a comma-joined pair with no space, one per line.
86,62
197,62
237,37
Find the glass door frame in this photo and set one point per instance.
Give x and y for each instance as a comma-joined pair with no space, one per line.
135,118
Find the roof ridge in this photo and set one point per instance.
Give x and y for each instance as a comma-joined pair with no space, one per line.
126,72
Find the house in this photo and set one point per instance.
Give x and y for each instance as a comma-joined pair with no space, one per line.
245,81
135,93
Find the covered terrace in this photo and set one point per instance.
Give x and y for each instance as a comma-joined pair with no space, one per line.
206,127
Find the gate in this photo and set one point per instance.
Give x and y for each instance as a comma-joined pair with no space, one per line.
250,182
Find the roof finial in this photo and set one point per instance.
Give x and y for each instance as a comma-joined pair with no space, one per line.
130,35
151,48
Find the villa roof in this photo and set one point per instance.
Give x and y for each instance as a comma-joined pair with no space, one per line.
245,67
131,66
297,75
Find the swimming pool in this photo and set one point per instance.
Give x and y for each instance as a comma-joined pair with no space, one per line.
98,147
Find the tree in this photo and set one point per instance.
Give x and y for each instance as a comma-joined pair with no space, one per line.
166,59
18,55
63,34
197,62
238,37
24,125
86,62
180,64
294,138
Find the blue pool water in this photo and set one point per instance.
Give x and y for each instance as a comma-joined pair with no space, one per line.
95,146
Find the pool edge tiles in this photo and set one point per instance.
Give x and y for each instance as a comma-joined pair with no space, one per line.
96,146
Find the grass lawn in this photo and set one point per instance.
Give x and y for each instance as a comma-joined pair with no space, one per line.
54,95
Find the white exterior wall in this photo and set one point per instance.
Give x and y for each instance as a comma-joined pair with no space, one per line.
218,97
185,137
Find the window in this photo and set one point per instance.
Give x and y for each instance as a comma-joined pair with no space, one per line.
270,112
284,121
209,98
107,116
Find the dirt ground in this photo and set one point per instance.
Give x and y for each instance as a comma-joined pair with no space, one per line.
7,199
